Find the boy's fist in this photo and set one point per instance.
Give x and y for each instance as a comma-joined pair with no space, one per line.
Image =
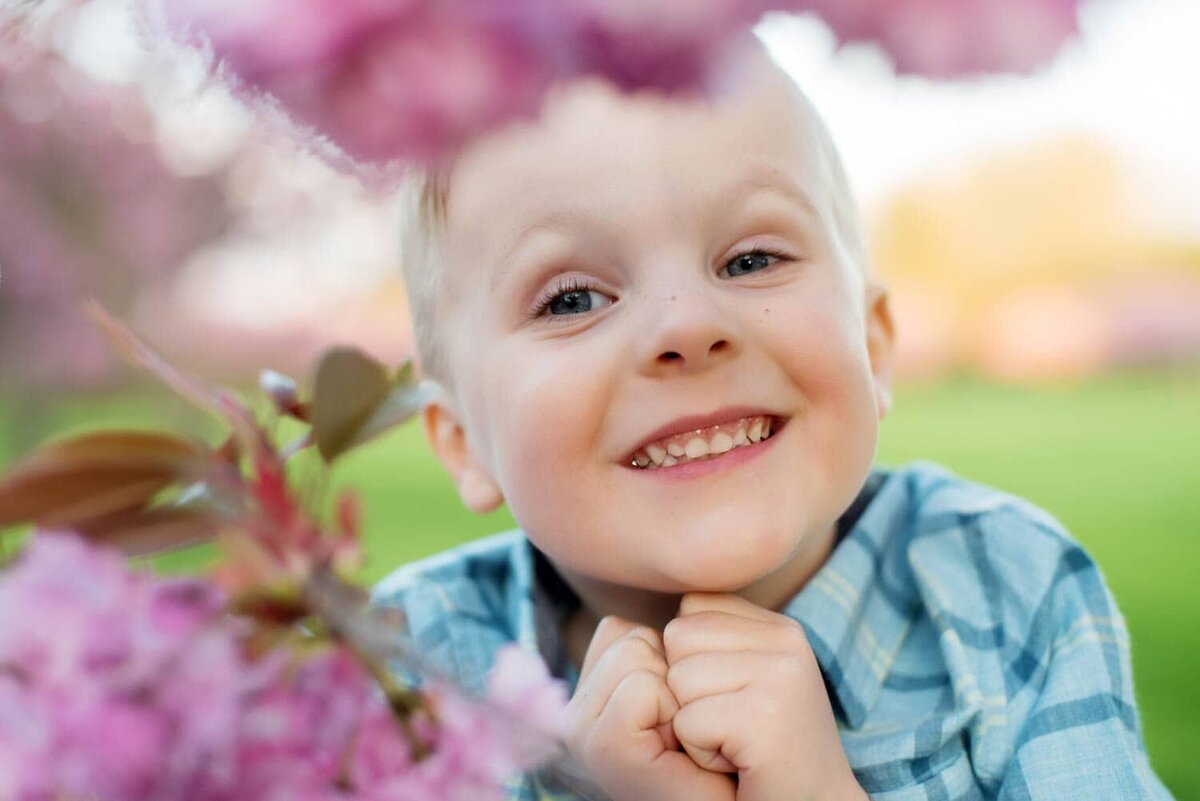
621,717
752,700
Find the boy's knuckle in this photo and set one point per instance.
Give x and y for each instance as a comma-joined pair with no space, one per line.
674,635
646,635
610,626
794,635
788,667
642,680
636,650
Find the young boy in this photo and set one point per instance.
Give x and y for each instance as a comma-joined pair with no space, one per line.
658,340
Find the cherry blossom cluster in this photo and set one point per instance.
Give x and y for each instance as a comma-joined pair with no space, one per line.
416,79
118,685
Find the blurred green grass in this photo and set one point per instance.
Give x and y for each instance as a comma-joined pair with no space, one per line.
1116,458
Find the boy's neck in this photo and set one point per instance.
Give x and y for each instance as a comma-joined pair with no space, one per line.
599,599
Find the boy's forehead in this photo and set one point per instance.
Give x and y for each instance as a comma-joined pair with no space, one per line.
599,157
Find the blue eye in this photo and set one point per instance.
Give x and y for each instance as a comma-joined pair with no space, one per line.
751,262
575,302
571,299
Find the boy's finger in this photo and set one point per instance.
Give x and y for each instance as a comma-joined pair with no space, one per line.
632,652
702,632
694,602
703,729
627,748
609,630
640,702
700,675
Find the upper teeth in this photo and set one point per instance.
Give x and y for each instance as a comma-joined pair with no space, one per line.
703,443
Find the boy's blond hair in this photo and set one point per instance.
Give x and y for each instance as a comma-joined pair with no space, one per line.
425,198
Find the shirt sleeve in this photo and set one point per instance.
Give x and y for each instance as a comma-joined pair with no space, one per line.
1082,738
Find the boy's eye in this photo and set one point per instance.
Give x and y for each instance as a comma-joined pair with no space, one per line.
577,301
751,262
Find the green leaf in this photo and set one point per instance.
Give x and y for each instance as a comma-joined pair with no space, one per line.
354,400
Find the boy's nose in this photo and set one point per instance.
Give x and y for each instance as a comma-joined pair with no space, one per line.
690,333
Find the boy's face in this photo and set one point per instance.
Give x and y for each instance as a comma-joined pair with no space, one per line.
629,268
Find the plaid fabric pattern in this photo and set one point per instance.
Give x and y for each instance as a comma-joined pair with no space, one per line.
970,646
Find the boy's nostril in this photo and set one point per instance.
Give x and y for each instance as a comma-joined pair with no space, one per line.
670,356
718,347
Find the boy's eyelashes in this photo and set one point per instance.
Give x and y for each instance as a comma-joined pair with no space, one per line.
569,295
573,295
752,261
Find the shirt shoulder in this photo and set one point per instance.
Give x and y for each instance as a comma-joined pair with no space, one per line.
986,557
490,555
1028,631
462,605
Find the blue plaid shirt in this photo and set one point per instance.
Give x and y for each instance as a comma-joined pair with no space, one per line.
970,646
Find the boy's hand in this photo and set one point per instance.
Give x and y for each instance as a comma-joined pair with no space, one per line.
621,721
752,700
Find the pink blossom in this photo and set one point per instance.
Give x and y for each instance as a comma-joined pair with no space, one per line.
121,686
304,33
383,79
300,730
470,754
474,747
671,47
521,685
86,207
949,38
100,660
415,79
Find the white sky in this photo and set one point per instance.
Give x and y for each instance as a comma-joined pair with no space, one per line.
1132,79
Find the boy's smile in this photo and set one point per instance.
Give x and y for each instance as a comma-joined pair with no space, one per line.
661,352
704,439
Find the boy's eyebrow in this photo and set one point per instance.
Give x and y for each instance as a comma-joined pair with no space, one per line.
556,219
759,178
763,177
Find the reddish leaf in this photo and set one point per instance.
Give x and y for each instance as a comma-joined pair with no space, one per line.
70,482
230,451
140,532
70,501
142,355
245,563
139,353
279,605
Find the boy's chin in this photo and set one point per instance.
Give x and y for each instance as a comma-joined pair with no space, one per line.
726,577
727,567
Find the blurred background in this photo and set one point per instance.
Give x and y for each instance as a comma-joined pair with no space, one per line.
1041,235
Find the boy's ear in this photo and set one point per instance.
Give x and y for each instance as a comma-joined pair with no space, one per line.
881,342
476,487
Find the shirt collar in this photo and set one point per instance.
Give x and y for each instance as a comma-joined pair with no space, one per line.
855,622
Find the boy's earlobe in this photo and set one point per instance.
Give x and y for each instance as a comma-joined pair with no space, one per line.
476,487
881,340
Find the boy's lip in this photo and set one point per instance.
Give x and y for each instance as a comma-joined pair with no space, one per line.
690,423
